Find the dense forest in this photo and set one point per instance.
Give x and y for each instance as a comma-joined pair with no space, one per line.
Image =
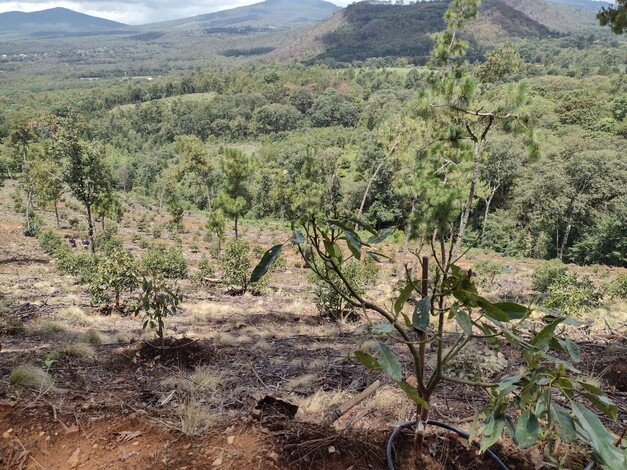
330,129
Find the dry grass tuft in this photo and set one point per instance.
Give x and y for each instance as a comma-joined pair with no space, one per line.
46,328
33,377
95,338
305,381
321,402
391,401
194,416
75,316
78,350
226,339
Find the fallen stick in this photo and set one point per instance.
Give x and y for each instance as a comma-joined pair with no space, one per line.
350,404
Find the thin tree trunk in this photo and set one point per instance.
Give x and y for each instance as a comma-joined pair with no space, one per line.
56,213
488,201
90,232
367,191
467,208
565,237
236,217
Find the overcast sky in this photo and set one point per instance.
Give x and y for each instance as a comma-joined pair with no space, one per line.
136,11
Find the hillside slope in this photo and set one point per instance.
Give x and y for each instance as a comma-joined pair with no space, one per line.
54,20
363,30
267,14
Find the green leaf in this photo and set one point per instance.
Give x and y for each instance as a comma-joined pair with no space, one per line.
463,320
382,235
412,393
267,260
333,250
382,328
496,429
599,438
353,243
364,225
367,360
542,339
603,403
420,320
298,238
512,310
527,430
491,310
572,348
565,422
402,297
389,363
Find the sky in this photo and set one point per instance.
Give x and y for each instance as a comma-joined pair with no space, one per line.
136,11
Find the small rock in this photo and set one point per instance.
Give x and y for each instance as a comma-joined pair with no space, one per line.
75,458
256,414
7,434
332,450
274,457
217,462
230,440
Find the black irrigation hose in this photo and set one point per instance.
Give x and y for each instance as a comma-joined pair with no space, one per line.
491,455
390,457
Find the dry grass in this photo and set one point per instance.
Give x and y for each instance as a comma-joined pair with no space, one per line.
75,316
305,381
33,377
95,338
392,402
205,312
77,350
194,417
321,402
47,328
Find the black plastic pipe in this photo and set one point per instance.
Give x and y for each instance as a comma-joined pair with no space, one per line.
389,451
410,424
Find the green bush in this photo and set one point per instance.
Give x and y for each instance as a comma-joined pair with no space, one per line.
329,302
237,268
618,288
573,294
162,261
50,242
80,265
543,277
487,272
116,273
205,269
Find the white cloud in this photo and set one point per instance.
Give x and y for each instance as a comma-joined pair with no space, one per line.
136,11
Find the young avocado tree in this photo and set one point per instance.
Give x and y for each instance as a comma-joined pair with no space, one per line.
233,196
84,169
436,315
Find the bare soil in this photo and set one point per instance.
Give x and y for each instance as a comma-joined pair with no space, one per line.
195,404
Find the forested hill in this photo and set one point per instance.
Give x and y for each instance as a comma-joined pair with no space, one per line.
54,20
268,14
364,30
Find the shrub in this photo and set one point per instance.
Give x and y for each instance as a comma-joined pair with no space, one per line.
80,265
205,269
329,301
50,242
618,288
235,264
162,261
543,277
117,273
157,300
32,377
487,272
573,294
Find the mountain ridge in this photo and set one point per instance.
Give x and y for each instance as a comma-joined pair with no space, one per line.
55,19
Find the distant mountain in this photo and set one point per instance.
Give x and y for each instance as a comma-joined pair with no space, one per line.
269,14
55,21
364,30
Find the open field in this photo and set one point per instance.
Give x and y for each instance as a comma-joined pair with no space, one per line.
109,398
